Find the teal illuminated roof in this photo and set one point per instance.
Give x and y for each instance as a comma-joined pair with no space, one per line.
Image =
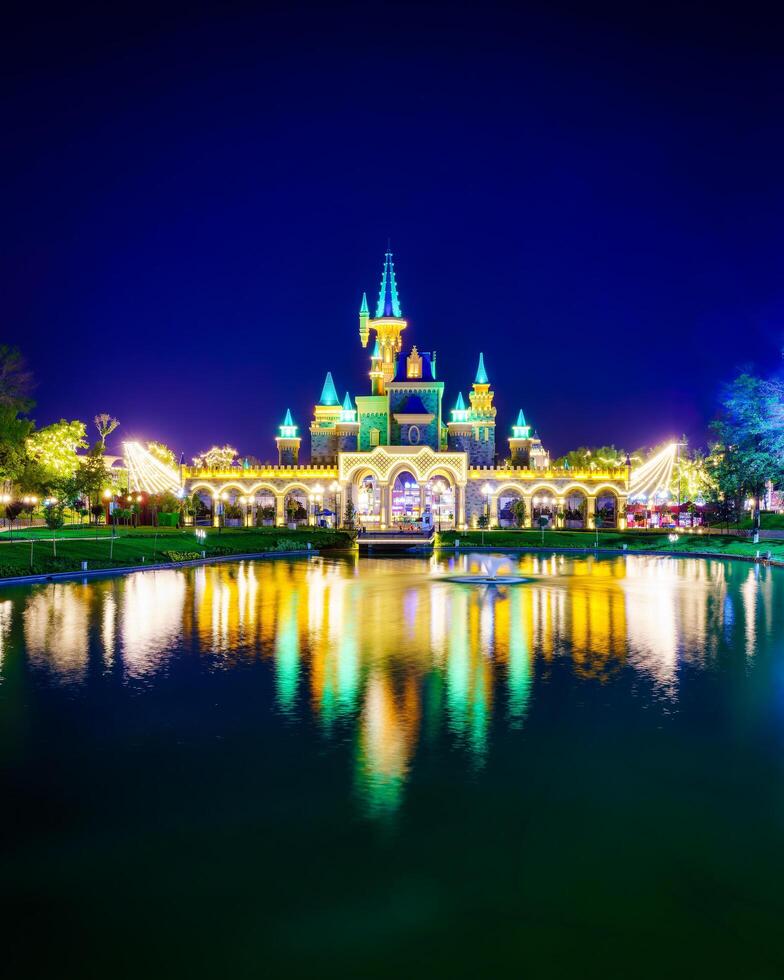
364,307
329,395
376,350
347,406
288,430
481,375
459,404
388,300
520,423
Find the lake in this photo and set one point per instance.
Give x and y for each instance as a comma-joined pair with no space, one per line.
356,767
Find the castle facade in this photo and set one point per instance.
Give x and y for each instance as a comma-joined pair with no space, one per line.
395,457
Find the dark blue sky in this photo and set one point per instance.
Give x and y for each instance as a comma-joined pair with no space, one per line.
192,207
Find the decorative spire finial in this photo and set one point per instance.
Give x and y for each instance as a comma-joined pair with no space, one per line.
329,395
481,374
388,300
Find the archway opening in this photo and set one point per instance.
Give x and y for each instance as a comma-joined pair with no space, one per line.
575,509
265,508
543,509
606,509
295,507
511,508
440,501
368,501
407,502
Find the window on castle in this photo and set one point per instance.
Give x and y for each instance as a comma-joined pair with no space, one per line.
375,434
413,435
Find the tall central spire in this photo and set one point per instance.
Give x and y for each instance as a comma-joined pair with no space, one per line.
388,300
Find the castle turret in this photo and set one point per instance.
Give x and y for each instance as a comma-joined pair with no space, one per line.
288,442
526,449
347,429
459,428
364,313
482,417
388,324
323,428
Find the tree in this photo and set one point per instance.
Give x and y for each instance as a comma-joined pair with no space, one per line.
163,454
518,511
750,449
216,458
16,382
54,448
350,513
105,425
91,477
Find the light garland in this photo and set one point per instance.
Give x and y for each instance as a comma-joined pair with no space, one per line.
148,474
653,477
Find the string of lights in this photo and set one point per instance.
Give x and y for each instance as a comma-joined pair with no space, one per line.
147,474
653,477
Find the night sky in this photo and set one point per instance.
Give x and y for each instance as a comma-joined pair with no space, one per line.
192,207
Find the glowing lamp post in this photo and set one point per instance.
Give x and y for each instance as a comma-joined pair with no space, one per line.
487,491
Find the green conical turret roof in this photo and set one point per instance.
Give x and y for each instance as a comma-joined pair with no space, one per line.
459,404
347,406
288,420
329,395
388,300
364,307
376,350
481,375
521,423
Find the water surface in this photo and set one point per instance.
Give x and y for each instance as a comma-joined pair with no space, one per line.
355,768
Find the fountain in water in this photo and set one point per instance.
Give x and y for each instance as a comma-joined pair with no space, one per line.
488,574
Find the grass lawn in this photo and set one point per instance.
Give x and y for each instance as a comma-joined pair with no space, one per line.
634,540
143,546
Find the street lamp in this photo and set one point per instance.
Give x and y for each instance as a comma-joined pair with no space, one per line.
312,499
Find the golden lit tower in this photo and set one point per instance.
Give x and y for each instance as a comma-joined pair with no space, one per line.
388,322
482,418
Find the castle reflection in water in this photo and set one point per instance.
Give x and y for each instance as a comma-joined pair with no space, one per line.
386,648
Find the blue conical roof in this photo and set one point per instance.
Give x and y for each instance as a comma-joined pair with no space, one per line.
329,395
388,300
364,307
376,350
347,406
481,375
459,404
288,420
521,423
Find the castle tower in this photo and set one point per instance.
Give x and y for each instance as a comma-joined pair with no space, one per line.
388,323
323,428
459,428
288,442
520,441
347,429
482,418
525,449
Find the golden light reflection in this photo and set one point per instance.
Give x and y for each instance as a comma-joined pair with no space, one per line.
384,650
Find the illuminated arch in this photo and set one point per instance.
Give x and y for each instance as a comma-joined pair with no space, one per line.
291,487
210,488
540,487
607,488
445,471
263,486
506,487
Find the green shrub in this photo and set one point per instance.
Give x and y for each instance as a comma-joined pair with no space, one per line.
182,555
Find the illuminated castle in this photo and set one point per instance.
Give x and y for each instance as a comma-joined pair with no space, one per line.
395,457
404,406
